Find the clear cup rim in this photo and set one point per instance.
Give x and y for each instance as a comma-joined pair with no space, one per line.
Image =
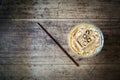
101,41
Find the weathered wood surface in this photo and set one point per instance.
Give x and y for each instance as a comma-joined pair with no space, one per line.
27,52
39,9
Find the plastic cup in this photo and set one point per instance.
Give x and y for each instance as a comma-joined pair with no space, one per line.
95,35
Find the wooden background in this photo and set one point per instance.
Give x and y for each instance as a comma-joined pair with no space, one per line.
27,52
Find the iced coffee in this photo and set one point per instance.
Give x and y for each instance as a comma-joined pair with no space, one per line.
86,40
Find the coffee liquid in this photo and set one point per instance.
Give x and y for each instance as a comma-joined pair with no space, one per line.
85,40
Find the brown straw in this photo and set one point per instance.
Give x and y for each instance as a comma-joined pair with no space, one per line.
58,45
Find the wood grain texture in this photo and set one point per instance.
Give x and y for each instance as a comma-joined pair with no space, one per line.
42,9
28,53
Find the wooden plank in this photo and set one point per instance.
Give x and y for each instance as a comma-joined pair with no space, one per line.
88,9
54,9
28,9
26,72
38,48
